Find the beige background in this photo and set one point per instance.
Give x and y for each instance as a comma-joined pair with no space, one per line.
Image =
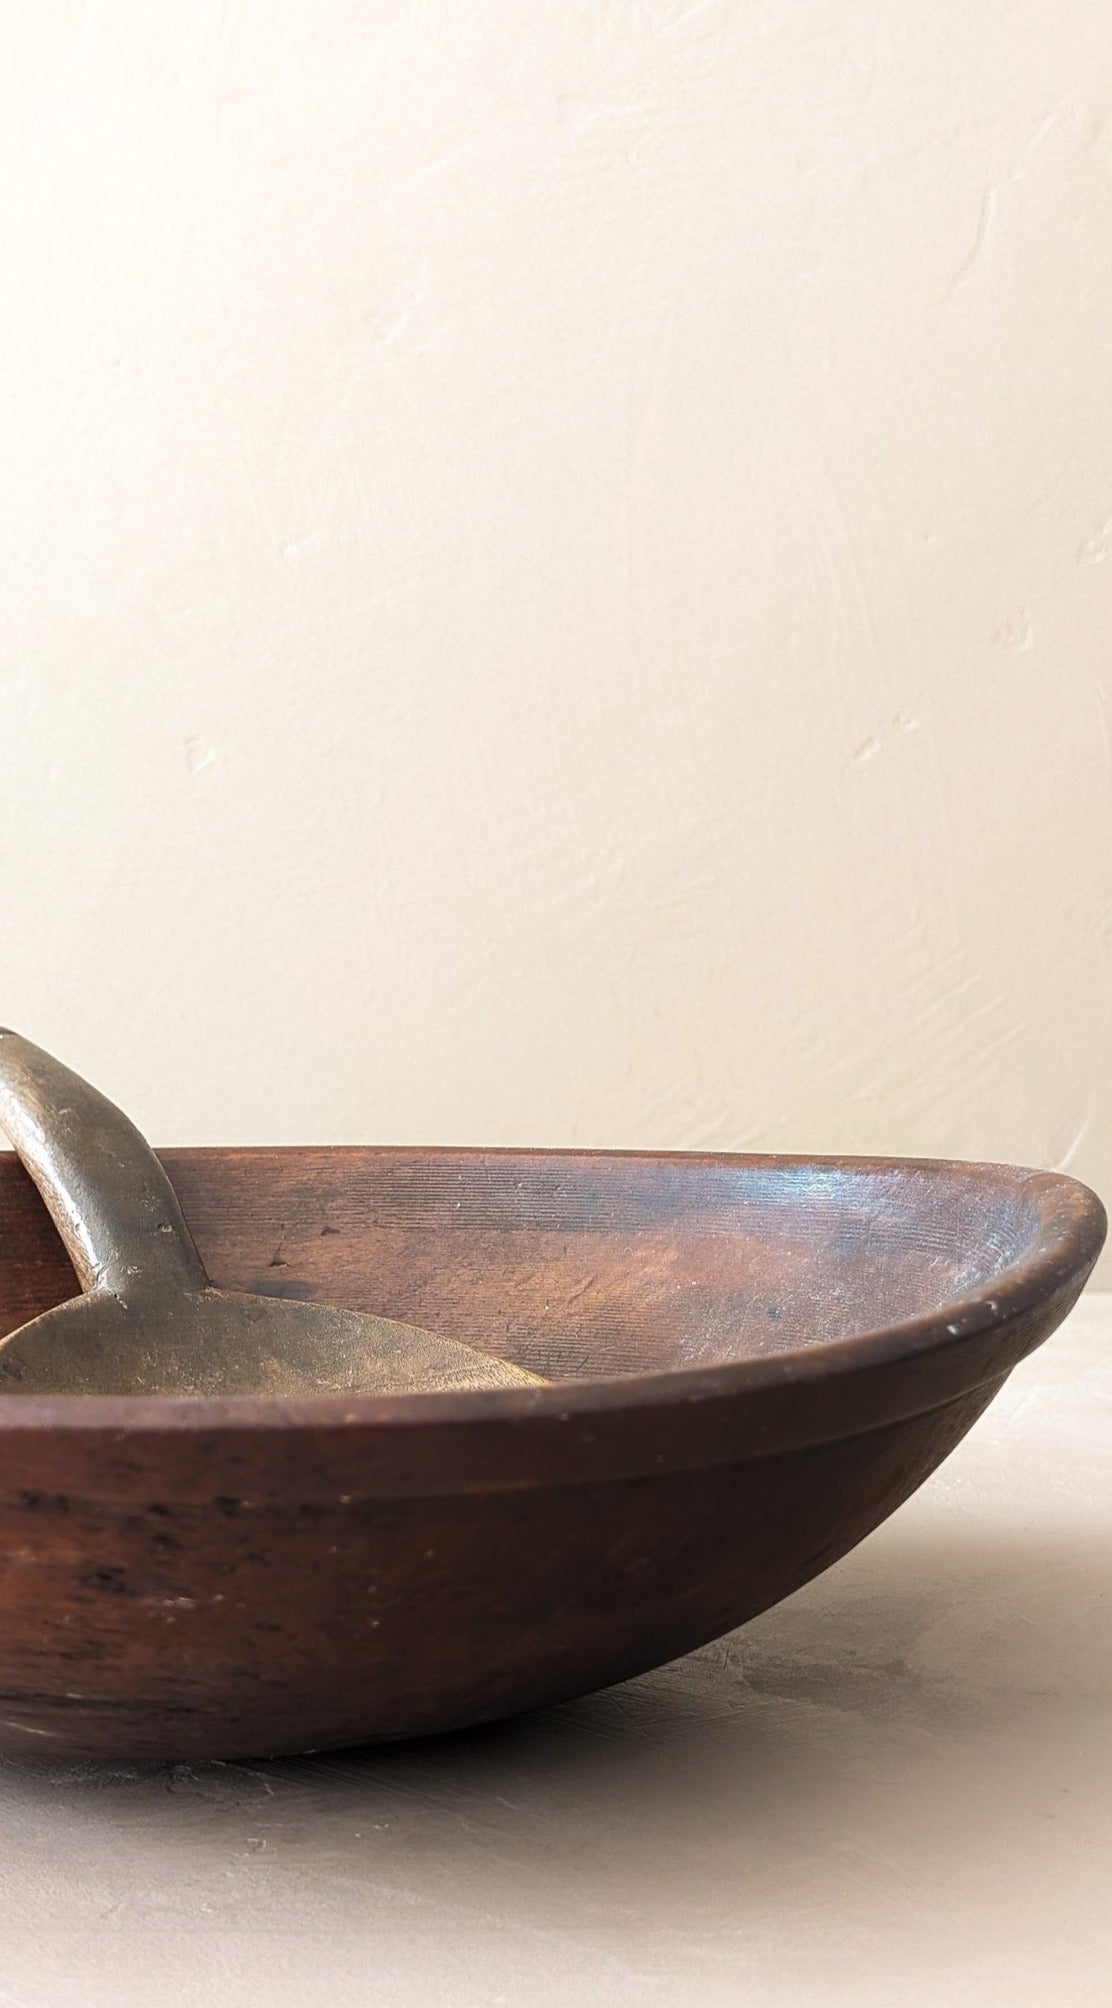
556,572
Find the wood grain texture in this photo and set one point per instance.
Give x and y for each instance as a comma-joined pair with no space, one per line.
755,1361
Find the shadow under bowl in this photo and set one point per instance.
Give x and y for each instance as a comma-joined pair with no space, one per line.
753,1361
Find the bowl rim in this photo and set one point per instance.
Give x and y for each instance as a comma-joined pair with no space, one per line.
1068,1233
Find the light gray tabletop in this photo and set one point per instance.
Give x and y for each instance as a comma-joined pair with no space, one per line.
896,1788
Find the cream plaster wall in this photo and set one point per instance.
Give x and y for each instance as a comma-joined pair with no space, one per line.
555,576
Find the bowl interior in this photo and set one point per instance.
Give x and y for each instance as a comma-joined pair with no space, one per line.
577,1265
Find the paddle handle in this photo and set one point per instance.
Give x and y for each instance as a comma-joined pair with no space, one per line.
104,1188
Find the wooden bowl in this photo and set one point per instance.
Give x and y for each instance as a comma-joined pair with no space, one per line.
754,1361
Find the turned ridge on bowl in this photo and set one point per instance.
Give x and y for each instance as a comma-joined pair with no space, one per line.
753,1361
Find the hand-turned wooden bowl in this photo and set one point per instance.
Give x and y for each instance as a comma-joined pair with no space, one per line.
754,1360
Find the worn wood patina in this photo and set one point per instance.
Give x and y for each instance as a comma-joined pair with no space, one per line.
750,1363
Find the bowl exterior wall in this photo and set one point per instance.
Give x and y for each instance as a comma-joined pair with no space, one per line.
243,1626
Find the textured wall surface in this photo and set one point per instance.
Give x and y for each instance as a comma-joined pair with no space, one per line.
556,570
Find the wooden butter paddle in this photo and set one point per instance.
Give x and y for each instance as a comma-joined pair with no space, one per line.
150,1322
